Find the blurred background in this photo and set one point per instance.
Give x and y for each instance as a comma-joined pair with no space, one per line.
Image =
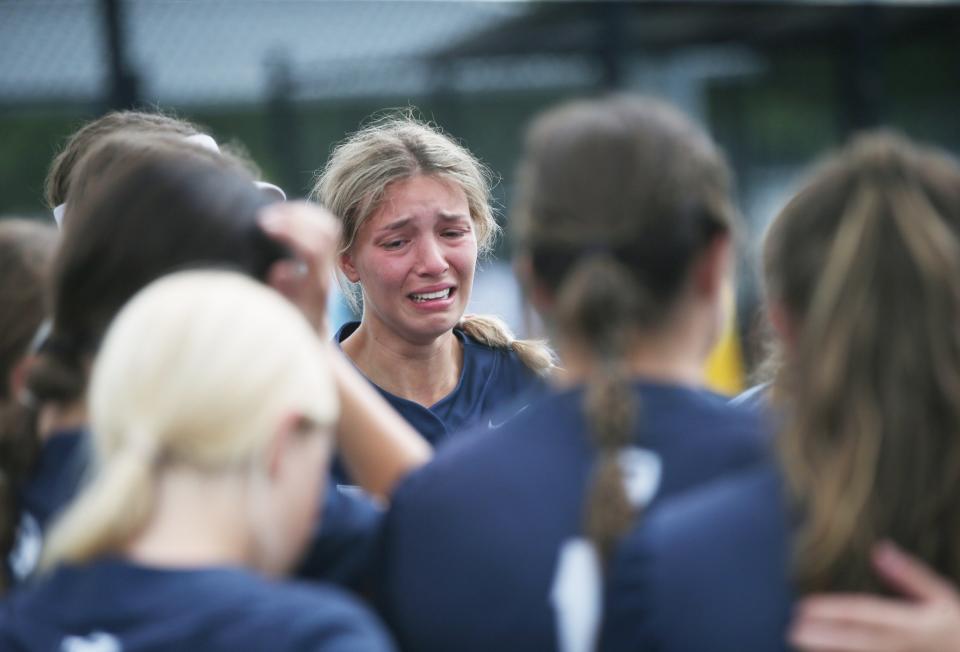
776,82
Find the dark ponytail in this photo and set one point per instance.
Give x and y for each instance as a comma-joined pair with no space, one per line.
618,198
25,251
600,304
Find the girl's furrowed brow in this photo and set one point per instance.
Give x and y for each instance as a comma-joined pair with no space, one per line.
396,225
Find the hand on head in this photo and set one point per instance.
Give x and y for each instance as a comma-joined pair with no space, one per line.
312,235
926,619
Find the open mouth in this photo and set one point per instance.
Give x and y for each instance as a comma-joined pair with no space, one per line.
426,297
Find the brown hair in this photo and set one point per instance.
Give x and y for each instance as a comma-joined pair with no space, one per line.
865,260
26,248
395,148
61,169
141,207
618,197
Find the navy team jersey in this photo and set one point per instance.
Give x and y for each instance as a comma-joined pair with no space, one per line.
340,551
471,543
55,480
343,547
494,385
112,605
708,571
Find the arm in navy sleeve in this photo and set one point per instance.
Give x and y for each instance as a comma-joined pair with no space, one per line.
344,544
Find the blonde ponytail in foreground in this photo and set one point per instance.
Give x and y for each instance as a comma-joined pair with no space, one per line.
196,371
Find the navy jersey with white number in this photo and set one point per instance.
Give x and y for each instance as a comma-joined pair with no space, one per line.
471,543
494,385
55,480
111,605
710,570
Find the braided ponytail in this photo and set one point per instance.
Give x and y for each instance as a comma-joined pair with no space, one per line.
600,304
493,332
618,201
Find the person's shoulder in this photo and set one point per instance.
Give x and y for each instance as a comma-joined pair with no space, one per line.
707,403
456,462
501,437
470,474
725,416
706,420
723,504
212,609
687,533
305,616
714,559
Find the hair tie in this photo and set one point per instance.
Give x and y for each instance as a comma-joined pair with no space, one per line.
206,142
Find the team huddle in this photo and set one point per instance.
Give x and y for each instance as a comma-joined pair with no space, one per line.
191,460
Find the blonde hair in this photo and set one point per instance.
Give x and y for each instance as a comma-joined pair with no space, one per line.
197,370
395,148
398,147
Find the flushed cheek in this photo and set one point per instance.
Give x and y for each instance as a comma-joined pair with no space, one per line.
384,274
464,265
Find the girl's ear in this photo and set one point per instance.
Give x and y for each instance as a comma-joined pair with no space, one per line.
712,271
345,262
281,442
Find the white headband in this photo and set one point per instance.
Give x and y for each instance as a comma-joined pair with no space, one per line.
208,143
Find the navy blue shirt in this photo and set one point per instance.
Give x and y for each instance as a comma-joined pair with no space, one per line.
471,542
708,571
55,480
343,547
340,552
494,385
111,605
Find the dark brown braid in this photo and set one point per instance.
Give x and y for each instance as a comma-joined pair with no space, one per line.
617,199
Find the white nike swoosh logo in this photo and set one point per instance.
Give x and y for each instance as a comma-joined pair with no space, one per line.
494,426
